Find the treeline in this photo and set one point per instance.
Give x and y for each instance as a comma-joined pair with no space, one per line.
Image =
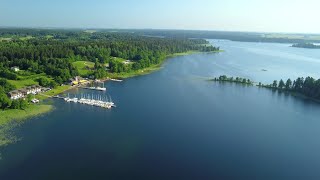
239,80
233,36
306,45
308,86
54,55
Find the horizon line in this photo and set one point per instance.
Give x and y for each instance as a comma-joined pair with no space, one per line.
163,29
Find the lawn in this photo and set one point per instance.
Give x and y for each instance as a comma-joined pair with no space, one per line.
53,92
26,38
23,83
26,80
84,67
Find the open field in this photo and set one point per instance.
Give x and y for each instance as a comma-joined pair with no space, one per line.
26,38
84,67
26,80
23,83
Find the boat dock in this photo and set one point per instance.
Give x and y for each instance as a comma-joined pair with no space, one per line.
95,88
116,80
92,87
98,101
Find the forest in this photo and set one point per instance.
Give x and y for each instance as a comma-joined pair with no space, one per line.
54,52
308,86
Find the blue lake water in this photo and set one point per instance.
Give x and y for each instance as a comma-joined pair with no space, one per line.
173,124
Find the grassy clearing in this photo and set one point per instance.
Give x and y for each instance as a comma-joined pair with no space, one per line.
85,67
49,36
119,59
53,92
26,38
5,39
23,83
26,80
135,73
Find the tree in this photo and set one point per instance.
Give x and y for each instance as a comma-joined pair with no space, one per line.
281,84
5,102
23,104
15,104
58,79
29,98
275,84
43,81
6,85
288,84
53,84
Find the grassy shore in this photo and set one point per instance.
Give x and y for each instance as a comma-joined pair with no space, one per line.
9,119
140,72
19,115
58,90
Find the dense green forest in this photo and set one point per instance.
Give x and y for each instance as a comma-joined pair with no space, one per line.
306,45
308,86
52,54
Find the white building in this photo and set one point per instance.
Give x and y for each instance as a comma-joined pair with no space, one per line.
15,68
16,95
22,93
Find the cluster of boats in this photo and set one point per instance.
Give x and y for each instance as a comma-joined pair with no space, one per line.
98,101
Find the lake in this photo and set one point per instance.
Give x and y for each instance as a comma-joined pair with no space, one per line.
174,124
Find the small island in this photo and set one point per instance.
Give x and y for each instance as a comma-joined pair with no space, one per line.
306,45
237,80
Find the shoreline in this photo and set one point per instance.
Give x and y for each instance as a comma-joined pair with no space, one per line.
155,67
11,115
251,83
12,118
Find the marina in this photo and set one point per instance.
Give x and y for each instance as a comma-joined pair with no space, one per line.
92,100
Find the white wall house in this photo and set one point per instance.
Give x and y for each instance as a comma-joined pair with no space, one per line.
22,93
16,95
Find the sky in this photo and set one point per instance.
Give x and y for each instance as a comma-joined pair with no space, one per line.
298,16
